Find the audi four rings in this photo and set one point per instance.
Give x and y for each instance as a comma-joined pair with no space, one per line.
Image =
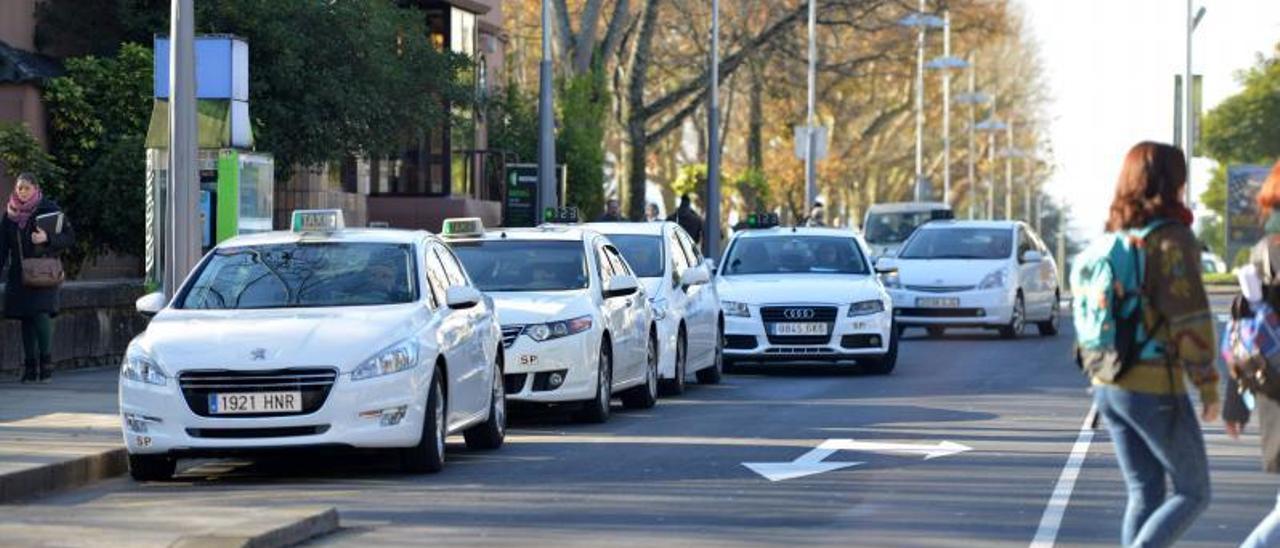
802,296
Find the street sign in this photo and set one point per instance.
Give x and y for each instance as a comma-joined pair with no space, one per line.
1242,222
520,201
819,138
814,461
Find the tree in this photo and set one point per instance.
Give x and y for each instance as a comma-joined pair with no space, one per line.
579,144
512,118
1244,128
21,152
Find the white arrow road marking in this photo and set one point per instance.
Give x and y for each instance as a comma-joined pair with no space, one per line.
813,462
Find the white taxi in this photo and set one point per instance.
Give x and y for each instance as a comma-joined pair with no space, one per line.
576,325
315,337
803,295
685,305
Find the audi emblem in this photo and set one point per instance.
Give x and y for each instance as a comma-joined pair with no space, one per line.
799,313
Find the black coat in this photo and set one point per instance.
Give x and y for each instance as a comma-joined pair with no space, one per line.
21,301
690,221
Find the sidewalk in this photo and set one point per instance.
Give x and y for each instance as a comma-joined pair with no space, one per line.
59,435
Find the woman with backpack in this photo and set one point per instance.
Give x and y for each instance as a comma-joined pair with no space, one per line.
1148,412
1240,406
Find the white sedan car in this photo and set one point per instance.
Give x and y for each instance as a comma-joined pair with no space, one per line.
804,295
685,304
988,274
317,337
576,325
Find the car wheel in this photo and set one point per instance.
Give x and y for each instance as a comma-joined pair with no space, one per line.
491,433
1018,322
428,456
1049,328
597,409
675,387
885,364
936,332
645,396
713,374
152,467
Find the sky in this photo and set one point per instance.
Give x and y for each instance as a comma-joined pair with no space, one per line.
1110,66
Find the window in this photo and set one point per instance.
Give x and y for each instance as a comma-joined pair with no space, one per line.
515,265
1025,243
959,243
620,267
451,268
691,250
643,253
603,266
795,255
679,261
436,278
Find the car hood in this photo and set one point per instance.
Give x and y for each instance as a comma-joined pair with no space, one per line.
520,308
803,288
946,272
271,339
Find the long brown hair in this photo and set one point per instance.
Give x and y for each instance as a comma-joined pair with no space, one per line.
1149,187
1269,195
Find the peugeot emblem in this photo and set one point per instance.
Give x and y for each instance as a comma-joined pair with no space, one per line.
799,313
258,354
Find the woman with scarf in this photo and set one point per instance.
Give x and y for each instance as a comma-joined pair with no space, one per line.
21,239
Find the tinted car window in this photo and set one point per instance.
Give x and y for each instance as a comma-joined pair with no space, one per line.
643,253
960,243
514,265
795,254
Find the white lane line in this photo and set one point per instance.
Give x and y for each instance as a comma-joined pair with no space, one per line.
1051,521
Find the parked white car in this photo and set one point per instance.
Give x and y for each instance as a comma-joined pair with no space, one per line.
988,274
576,324
320,336
686,307
804,295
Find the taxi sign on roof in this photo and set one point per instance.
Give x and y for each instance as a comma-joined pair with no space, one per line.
317,220
461,227
567,215
762,220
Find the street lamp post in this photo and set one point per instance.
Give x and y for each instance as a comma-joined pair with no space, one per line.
182,246
1008,171
810,182
921,21
973,98
711,243
546,120
946,64
1193,21
991,126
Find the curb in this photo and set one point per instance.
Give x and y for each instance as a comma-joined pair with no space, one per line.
33,482
308,524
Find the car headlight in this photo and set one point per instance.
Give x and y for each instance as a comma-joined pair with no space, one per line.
891,280
995,279
865,308
139,367
659,307
554,330
401,357
732,308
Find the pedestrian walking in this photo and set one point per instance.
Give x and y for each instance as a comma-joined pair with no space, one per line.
1240,405
651,214
817,216
612,212
1146,406
30,251
688,219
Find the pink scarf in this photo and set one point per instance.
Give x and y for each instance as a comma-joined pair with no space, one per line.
20,211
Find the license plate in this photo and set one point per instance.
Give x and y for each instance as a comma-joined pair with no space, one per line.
938,302
232,403
799,329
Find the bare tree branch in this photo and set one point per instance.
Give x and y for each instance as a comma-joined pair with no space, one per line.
564,38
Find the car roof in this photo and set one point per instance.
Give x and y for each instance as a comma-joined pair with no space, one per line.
900,207
346,235
547,232
653,229
936,225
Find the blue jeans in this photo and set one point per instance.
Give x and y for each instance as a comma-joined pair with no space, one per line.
1268,532
1156,436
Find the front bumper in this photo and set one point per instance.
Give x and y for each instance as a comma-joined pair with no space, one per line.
850,340
158,419
985,308
531,366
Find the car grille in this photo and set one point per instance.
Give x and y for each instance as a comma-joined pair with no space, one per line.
940,312
252,433
779,314
313,383
510,333
941,288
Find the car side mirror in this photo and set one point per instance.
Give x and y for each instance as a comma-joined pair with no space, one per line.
151,304
621,286
461,297
695,276
1032,256
886,265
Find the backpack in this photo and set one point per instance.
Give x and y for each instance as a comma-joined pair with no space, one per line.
1251,339
1107,304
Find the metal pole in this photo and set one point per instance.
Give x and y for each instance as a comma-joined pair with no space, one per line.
811,184
920,106
183,243
991,175
1008,171
946,109
973,118
546,120
711,243
1189,87
1030,188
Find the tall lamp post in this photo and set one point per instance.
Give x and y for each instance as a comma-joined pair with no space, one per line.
1010,152
922,21
973,98
1193,21
711,243
546,120
182,246
991,126
946,64
811,145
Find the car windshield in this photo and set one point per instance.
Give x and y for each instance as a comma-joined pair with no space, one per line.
893,228
642,252
960,243
524,265
304,275
795,254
